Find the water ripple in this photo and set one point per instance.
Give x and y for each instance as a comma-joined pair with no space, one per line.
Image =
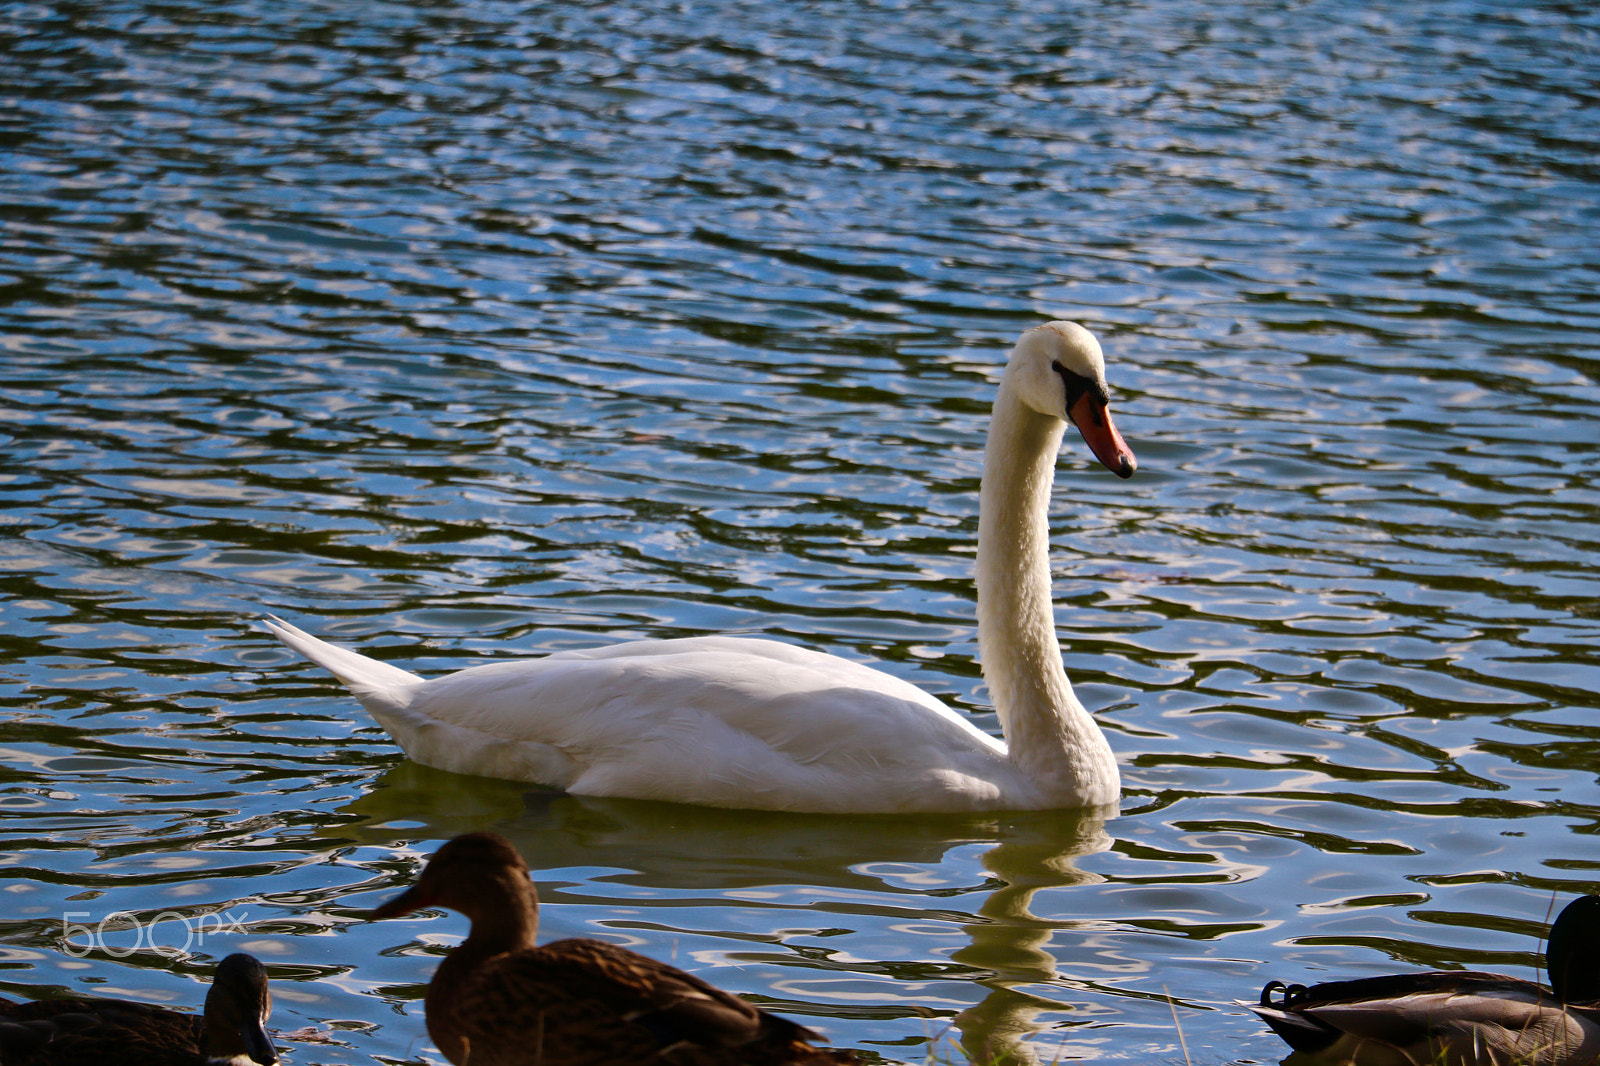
493,330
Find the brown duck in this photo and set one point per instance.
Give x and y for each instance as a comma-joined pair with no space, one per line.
99,1032
498,1000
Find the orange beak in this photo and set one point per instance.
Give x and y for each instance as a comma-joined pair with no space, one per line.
1093,419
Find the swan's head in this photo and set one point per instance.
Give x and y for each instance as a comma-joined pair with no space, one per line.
1057,369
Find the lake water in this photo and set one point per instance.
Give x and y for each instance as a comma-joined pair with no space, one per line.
469,331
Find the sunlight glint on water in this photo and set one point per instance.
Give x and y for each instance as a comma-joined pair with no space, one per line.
461,334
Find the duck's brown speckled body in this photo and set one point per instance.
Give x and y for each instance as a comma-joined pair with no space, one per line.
500,1000
1453,1017
100,1032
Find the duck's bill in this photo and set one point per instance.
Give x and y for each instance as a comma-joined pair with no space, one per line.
1093,419
258,1045
406,902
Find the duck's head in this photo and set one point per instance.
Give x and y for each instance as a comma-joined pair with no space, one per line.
1058,369
237,1008
474,874
1572,955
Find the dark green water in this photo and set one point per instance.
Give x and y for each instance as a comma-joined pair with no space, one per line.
459,332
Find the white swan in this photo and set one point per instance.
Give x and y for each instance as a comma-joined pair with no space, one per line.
745,722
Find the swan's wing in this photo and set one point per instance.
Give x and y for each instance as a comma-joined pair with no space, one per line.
725,721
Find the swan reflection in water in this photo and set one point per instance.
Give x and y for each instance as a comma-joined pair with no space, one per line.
838,869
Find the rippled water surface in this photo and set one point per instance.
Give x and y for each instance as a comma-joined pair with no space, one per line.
471,331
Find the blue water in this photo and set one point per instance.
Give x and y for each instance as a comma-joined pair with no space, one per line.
468,332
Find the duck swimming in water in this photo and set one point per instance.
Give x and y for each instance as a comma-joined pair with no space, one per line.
103,1032
498,999
1453,1017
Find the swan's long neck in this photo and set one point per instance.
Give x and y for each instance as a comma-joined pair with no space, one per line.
1050,736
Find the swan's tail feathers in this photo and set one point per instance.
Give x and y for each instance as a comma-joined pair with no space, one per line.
379,686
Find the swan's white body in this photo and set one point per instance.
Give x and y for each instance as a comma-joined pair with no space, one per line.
742,722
